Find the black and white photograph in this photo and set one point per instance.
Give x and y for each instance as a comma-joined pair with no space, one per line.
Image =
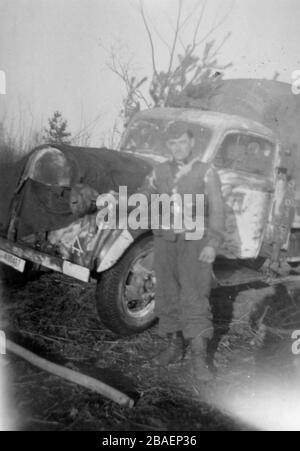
149,218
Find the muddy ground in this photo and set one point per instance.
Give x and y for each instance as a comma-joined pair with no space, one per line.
257,373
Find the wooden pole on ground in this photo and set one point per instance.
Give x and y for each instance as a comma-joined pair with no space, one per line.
71,375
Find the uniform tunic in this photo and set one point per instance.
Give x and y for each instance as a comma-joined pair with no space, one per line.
183,283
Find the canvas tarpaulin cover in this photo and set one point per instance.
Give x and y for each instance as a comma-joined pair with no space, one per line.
267,101
42,207
10,174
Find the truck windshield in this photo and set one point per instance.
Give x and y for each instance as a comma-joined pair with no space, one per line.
146,136
246,153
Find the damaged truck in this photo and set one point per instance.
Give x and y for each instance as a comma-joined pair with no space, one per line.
248,129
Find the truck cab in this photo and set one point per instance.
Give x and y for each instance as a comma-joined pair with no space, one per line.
251,165
38,224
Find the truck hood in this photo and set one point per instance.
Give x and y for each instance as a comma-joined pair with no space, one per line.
152,158
53,167
106,169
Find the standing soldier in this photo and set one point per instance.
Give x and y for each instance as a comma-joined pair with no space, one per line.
183,267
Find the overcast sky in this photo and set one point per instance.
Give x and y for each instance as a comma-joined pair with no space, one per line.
50,50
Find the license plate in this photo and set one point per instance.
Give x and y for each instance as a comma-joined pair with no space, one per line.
13,261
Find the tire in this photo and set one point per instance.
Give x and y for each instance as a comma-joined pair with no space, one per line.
125,293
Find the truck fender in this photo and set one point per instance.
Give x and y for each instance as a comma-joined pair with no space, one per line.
116,250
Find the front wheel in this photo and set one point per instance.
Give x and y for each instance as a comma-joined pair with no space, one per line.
125,293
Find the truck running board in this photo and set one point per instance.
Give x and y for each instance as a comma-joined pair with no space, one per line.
243,275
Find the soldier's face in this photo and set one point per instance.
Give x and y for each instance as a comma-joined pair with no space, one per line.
181,147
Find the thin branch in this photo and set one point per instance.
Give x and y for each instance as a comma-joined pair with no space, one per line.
214,28
175,36
182,43
118,68
87,127
190,15
149,36
198,24
142,97
163,40
221,45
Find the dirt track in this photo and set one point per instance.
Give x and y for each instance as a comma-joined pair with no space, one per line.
55,317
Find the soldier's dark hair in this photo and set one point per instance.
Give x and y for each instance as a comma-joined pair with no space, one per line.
178,128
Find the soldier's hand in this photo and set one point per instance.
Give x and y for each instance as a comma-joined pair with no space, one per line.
208,254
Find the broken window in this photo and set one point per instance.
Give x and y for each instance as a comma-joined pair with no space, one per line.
147,135
246,153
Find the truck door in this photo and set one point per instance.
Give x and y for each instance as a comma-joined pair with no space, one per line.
245,164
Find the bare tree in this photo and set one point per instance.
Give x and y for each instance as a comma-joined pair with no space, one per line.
134,96
192,70
18,133
86,130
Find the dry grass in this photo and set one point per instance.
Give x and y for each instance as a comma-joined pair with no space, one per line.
55,317
8,155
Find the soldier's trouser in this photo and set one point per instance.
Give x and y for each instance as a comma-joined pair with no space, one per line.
183,288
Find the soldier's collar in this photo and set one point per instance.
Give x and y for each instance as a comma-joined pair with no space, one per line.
181,163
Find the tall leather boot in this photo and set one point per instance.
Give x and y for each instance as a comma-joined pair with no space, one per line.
200,369
174,352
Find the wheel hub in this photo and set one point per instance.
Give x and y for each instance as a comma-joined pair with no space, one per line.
140,288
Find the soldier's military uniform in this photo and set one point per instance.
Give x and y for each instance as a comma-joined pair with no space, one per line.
183,281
